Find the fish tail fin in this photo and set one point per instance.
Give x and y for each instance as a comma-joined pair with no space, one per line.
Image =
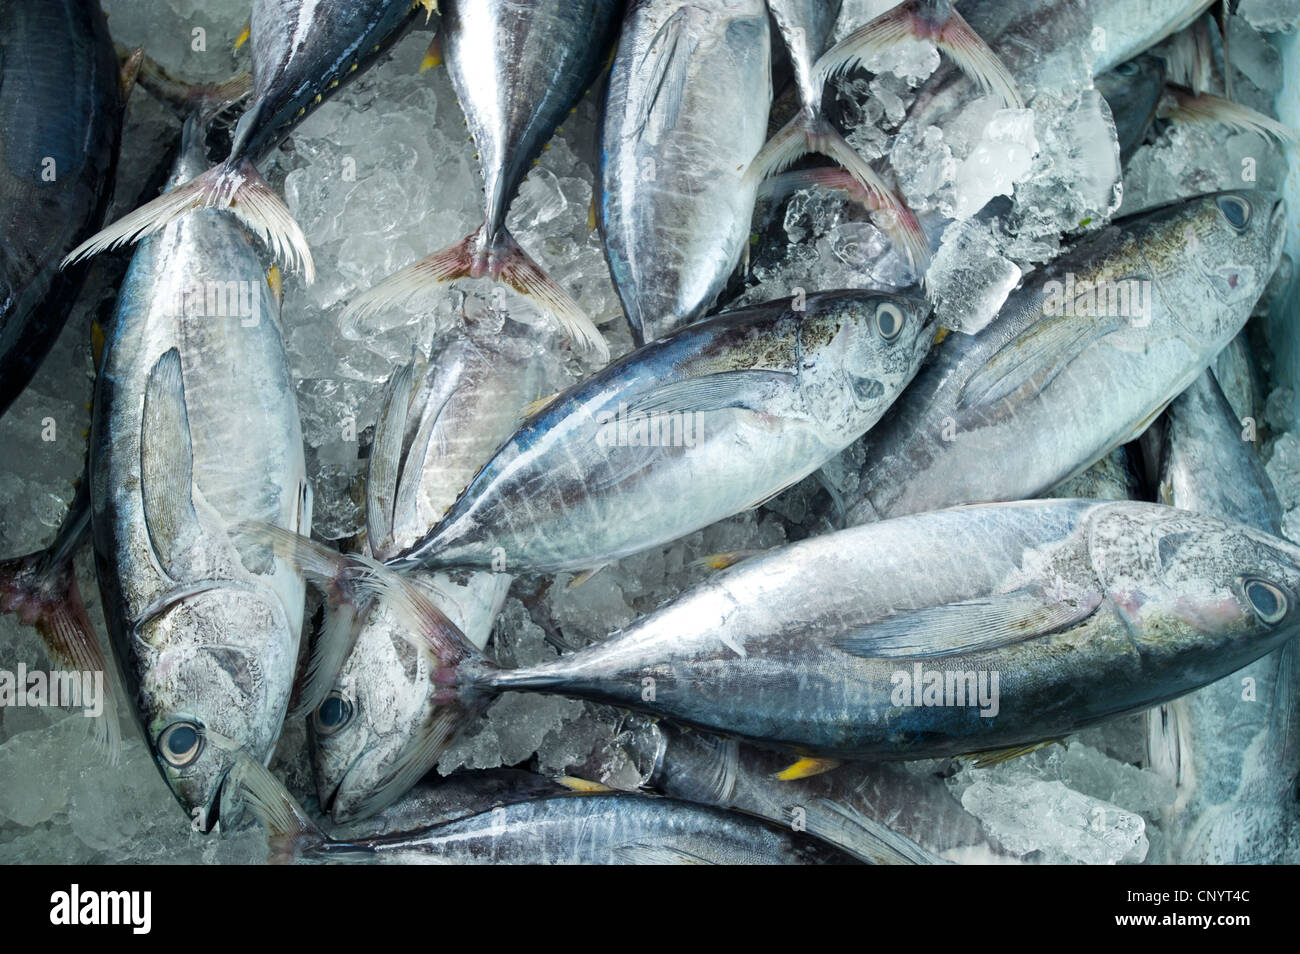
290,830
1184,106
41,590
334,574
479,255
810,133
896,219
917,19
234,186
863,837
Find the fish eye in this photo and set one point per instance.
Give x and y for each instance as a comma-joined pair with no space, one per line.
889,320
1269,602
1236,210
180,743
1126,69
334,712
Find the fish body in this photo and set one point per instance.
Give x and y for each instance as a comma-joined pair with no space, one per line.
195,429
1066,374
303,50
685,115
1060,614
876,812
372,732
60,127
1232,749
684,432
518,68
609,829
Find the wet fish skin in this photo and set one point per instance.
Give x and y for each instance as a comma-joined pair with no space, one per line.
1233,759
848,806
303,50
518,72
807,27
195,428
61,101
383,705
1084,610
675,198
607,829
791,387
1071,388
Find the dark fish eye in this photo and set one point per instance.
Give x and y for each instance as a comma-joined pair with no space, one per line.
1236,210
1268,601
889,320
1126,69
180,743
334,712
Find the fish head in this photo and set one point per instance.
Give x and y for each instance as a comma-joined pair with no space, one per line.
211,692
1219,251
1191,588
370,727
859,350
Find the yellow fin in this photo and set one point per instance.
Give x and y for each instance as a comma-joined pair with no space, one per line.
430,8
130,71
244,34
575,784
536,407
720,561
591,213
433,55
583,577
806,768
998,756
940,335
96,343
274,279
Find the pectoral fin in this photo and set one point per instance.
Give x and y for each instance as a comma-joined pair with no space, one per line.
969,625
715,392
386,459
167,468
672,49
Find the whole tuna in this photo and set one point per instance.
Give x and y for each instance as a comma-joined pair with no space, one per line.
379,725
611,829
60,126
965,630
683,432
1080,359
1232,749
195,430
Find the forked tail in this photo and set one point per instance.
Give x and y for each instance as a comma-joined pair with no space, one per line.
479,255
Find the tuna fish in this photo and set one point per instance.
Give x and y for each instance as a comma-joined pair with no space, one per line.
1232,748
377,723
607,829
685,116
683,432
517,68
965,630
60,126
303,50
195,430
1080,359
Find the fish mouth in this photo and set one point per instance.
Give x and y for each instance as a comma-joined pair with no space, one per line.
329,798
